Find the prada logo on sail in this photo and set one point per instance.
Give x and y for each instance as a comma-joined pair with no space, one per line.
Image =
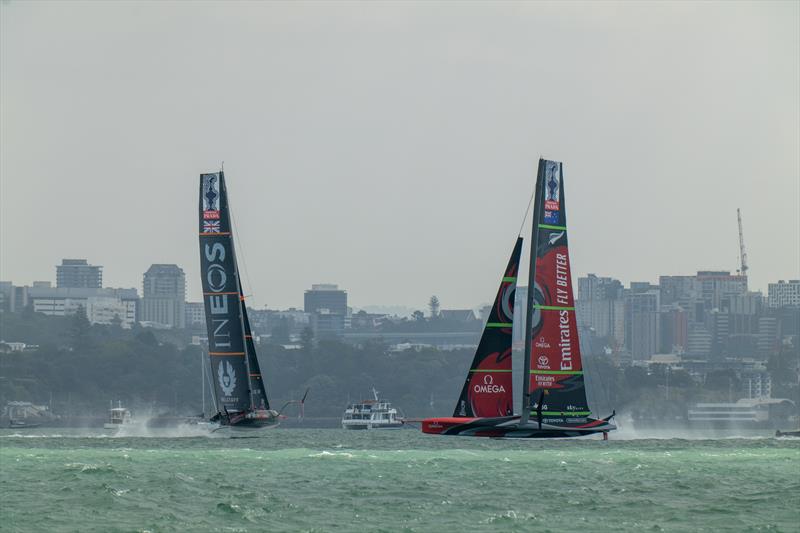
488,386
216,281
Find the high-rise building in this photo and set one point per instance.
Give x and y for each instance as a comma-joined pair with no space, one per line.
7,296
678,290
745,310
642,320
325,296
78,273
717,286
600,307
784,293
327,306
789,322
674,329
719,326
164,296
768,336
195,315
698,341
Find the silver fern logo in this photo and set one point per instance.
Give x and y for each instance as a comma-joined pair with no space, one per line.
227,380
554,237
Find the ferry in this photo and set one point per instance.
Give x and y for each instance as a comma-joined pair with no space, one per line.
371,414
746,412
23,415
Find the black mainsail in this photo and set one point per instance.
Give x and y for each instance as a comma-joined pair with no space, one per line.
239,388
488,389
552,351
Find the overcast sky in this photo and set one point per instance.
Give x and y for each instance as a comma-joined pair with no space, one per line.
392,147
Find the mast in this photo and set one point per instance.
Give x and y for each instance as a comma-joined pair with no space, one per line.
528,347
203,379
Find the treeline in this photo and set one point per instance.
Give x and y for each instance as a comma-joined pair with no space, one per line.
81,367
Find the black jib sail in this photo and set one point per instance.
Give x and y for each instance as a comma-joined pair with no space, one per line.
488,387
555,392
257,388
222,297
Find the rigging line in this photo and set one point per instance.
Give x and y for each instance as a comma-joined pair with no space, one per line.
241,246
526,212
589,377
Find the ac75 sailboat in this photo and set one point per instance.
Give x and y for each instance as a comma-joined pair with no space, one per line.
553,397
239,391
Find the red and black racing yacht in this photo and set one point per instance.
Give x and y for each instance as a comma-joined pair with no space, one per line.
553,397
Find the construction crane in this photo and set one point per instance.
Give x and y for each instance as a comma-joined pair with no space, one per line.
742,253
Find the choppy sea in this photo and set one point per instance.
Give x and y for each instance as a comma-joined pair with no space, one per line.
335,480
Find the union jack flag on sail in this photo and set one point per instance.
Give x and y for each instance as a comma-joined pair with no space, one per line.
211,226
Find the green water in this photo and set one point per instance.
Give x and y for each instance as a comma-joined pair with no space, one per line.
333,480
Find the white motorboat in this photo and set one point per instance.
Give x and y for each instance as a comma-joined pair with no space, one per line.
371,414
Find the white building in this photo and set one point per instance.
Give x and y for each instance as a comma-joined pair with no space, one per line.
164,296
600,306
102,306
784,293
195,314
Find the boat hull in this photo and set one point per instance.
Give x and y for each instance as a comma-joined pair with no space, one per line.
240,432
116,429
371,426
248,426
510,427
22,424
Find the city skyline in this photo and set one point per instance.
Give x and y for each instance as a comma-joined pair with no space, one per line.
302,300
402,168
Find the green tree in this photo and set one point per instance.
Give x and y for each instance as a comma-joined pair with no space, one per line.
79,329
433,305
280,331
307,339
